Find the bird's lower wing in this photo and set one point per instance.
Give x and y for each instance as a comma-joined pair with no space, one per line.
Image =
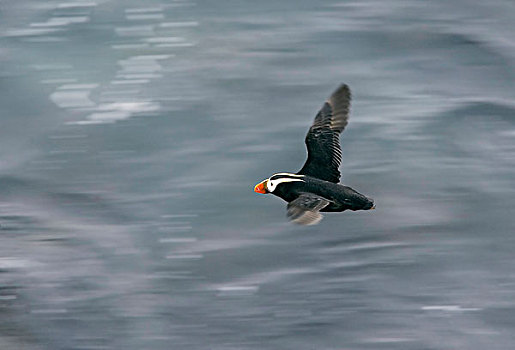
305,210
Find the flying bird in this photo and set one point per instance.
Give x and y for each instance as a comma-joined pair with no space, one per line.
316,188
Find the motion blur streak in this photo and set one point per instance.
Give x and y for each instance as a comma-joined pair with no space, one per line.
131,132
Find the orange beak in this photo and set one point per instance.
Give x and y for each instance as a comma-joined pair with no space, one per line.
260,187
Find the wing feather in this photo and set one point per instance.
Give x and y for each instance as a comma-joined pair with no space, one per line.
323,137
305,210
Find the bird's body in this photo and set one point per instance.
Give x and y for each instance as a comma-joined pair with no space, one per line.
315,188
340,197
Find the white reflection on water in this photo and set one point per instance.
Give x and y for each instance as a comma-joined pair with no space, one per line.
113,112
449,308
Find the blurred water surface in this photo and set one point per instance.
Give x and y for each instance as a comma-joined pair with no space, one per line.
132,134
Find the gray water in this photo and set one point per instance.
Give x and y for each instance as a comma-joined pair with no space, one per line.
132,134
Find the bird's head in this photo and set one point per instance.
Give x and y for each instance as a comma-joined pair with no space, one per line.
270,185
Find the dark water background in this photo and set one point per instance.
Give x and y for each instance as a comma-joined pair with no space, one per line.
132,134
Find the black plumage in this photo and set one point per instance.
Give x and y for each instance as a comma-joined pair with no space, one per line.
315,188
323,137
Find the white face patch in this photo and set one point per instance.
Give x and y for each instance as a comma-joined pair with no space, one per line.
276,179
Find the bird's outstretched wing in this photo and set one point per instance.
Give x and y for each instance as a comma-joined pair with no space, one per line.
305,210
323,138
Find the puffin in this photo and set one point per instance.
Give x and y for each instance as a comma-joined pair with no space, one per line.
316,187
